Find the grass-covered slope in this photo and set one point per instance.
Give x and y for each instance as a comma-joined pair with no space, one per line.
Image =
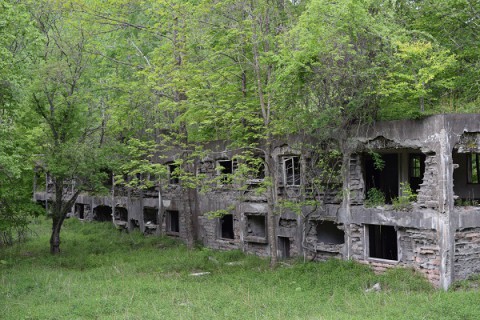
105,274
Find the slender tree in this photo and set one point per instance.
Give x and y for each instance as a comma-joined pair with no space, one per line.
69,121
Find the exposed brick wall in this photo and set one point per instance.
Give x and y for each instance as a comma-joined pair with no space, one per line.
417,248
356,184
320,251
259,249
467,253
420,249
356,242
428,193
212,238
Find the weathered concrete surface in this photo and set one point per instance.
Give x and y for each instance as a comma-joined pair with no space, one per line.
416,218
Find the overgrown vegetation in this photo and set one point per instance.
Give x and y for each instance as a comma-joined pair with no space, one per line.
88,87
106,274
375,197
404,200
466,202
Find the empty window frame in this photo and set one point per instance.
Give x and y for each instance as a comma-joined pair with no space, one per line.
256,226
416,170
121,214
260,169
329,233
150,215
291,170
225,169
415,166
385,180
256,169
102,213
172,173
473,166
173,221
80,210
226,227
284,247
107,178
382,242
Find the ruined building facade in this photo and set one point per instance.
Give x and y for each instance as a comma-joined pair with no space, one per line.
433,226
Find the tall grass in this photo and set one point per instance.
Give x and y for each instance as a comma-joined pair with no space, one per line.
106,274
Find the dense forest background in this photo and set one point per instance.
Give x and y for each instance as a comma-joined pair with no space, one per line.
88,87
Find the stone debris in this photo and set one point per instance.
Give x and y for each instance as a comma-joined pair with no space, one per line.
199,274
375,288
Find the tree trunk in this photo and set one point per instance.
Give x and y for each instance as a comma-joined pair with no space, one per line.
59,213
57,223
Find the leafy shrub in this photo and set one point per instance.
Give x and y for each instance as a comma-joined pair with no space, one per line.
404,202
378,162
466,202
375,197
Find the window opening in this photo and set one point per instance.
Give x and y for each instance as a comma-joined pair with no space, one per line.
473,162
291,169
173,221
80,210
226,168
385,180
172,174
102,213
256,226
150,215
284,247
328,233
151,183
382,242
256,169
107,180
121,214
260,174
416,168
226,227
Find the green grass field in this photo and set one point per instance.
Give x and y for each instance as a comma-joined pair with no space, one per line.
105,274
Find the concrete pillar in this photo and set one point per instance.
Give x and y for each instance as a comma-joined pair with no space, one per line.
445,227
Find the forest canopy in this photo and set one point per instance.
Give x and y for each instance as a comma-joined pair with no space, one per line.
87,87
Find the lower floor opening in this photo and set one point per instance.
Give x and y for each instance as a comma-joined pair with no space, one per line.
121,214
173,221
80,211
256,225
226,227
102,213
150,215
284,247
382,242
329,233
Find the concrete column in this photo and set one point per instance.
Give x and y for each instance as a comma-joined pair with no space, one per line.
345,215
445,228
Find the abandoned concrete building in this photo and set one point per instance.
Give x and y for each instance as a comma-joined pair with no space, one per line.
427,173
